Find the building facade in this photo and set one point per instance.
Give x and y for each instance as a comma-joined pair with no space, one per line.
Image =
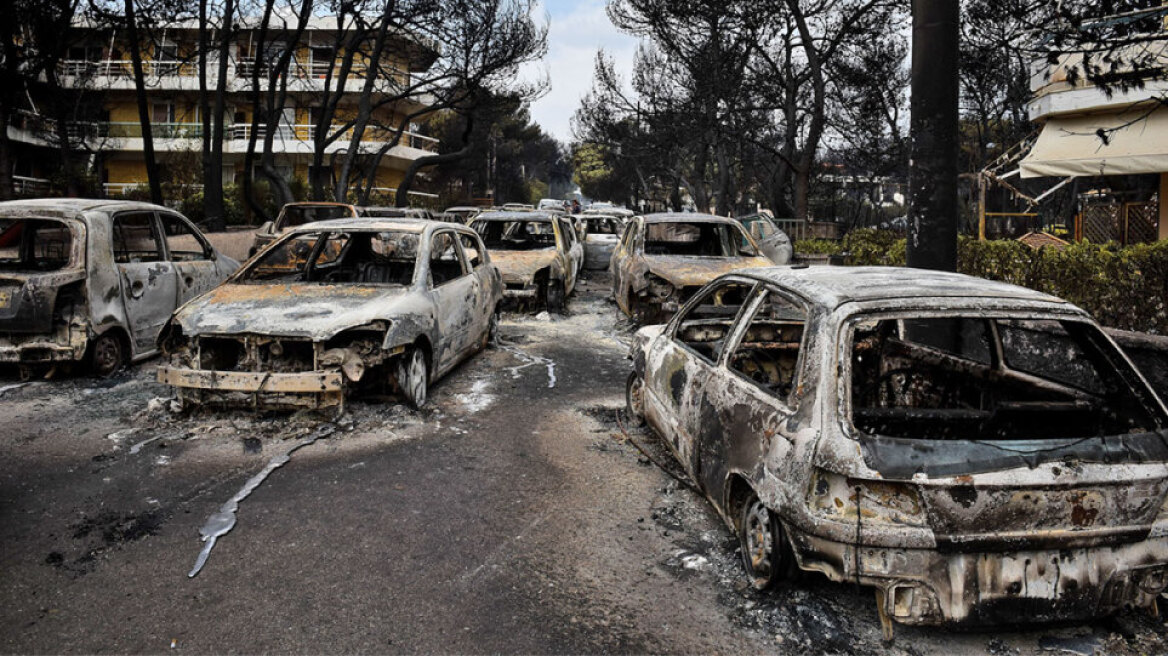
1115,129
99,64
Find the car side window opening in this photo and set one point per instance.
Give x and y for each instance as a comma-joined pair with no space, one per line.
568,232
470,247
336,257
628,238
34,245
445,263
181,241
134,239
940,378
768,353
700,239
706,324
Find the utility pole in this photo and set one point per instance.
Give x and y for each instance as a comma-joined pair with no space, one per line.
932,177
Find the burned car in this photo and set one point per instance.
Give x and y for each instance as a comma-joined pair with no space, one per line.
773,242
976,452
601,235
662,259
298,214
93,281
538,254
335,307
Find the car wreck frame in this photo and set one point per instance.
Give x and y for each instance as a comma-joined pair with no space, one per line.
543,277
306,345
946,530
129,265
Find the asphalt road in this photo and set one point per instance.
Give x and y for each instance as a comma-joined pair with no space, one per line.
509,516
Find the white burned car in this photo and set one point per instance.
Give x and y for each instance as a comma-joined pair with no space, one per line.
93,281
975,451
335,307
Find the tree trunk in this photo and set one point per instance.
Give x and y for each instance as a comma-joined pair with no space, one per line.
932,177
213,191
6,182
205,113
135,44
401,196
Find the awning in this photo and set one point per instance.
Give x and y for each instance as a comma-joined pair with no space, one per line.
1072,146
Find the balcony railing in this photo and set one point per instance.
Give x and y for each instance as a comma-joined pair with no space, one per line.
25,186
302,132
125,68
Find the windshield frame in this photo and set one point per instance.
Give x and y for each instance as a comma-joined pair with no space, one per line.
318,245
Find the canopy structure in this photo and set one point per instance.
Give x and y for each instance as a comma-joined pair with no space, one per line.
1134,141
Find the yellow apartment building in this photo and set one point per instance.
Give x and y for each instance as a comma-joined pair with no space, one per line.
100,63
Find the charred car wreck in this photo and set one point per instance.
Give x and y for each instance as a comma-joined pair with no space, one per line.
93,281
976,452
538,253
334,307
663,259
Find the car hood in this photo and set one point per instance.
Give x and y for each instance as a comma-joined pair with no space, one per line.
691,270
290,310
522,264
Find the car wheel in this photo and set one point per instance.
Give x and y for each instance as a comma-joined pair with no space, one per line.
635,400
556,298
107,355
764,549
493,329
413,376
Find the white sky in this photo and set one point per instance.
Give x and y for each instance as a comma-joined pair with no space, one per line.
578,30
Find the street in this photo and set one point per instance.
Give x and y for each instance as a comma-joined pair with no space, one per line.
510,515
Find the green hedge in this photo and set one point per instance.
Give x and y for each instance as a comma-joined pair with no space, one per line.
1122,286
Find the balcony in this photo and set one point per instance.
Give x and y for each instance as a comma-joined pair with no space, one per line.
304,76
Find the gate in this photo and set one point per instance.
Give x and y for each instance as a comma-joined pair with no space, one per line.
1126,223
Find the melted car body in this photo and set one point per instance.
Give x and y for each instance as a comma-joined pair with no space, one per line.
538,253
95,279
333,307
662,259
975,451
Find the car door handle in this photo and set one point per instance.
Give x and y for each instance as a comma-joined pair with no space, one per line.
137,288
188,281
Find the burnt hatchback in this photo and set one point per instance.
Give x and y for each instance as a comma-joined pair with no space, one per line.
976,452
94,280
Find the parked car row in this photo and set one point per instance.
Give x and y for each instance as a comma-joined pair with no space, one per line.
975,452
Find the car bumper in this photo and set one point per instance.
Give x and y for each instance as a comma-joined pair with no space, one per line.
928,586
208,387
39,349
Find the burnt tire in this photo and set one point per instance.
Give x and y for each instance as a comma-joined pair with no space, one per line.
556,297
766,556
635,400
413,376
493,330
107,355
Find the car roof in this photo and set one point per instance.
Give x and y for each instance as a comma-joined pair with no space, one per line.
392,224
77,205
686,217
522,216
832,286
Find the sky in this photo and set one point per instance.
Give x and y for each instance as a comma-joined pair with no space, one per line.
578,29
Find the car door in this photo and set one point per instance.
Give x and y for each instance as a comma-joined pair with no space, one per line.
191,255
573,252
617,266
149,283
688,355
749,402
453,289
483,284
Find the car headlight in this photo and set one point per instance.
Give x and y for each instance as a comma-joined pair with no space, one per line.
844,499
658,287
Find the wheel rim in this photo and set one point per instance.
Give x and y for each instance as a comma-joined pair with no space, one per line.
418,378
759,541
107,355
